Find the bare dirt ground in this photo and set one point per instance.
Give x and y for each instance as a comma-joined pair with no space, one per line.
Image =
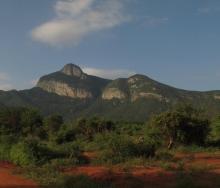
202,168
9,180
136,177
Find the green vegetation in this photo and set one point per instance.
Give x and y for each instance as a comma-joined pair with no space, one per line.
144,97
182,125
45,145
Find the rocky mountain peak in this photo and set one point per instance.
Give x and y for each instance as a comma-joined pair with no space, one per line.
72,70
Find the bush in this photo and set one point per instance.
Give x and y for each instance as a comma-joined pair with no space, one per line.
69,153
164,155
214,136
183,125
4,151
120,148
145,148
5,146
65,135
90,127
29,153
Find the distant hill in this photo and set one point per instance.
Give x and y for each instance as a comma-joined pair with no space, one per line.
72,93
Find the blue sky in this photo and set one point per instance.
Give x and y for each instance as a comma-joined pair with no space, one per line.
176,42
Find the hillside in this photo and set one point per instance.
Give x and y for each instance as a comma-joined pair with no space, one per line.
72,93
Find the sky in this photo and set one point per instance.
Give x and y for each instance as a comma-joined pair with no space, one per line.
176,42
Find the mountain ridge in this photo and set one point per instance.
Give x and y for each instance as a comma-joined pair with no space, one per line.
73,93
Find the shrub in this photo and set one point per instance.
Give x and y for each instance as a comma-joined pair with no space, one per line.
69,152
182,125
5,146
65,135
31,121
29,153
4,151
120,148
214,136
145,148
90,127
164,155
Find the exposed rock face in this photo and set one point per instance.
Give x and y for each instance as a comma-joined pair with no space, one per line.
72,82
133,88
217,97
73,70
113,93
64,89
136,96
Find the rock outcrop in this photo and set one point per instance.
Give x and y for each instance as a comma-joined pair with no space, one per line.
63,89
137,98
74,71
133,88
72,82
113,93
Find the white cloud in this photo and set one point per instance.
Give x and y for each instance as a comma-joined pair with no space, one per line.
5,86
4,79
155,21
75,19
109,74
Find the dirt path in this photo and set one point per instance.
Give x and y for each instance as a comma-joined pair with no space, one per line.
8,180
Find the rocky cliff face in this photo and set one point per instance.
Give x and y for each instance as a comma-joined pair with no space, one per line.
63,89
113,93
139,96
72,82
133,88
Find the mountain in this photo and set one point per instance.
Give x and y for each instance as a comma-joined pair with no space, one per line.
72,82
72,93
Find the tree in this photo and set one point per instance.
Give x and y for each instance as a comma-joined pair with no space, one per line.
215,131
53,124
183,124
31,122
92,126
10,120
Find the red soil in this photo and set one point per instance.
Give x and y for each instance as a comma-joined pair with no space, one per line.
153,177
201,159
8,180
140,177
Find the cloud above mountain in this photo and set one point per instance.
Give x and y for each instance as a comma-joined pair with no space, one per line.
4,79
109,74
76,19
